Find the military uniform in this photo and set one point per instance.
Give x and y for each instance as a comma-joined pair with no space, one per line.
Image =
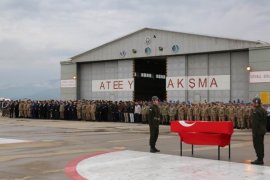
205,113
189,113
181,112
79,110
93,111
153,119
197,113
213,113
221,113
171,112
258,130
164,113
240,117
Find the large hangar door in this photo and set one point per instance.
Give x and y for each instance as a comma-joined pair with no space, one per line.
150,79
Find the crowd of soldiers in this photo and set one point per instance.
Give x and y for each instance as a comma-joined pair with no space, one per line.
128,111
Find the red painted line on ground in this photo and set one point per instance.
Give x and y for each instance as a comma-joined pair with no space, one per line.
71,170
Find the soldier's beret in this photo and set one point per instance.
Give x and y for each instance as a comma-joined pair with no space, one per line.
257,100
154,98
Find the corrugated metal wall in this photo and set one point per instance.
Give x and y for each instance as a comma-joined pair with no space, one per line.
101,71
176,66
219,64
68,71
239,76
259,60
225,63
197,66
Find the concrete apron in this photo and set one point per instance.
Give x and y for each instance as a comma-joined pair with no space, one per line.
125,164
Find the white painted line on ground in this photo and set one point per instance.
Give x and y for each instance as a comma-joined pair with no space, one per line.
11,141
134,165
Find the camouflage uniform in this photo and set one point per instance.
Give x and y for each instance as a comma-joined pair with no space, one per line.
213,113
93,111
79,110
189,113
240,117
181,112
205,112
164,113
171,112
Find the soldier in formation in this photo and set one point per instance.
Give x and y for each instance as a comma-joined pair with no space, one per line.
123,111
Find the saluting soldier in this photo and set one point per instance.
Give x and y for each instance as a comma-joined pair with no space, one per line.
154,118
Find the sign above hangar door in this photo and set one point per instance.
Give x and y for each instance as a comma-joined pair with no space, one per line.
113,85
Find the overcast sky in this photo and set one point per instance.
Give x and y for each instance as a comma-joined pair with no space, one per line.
35,35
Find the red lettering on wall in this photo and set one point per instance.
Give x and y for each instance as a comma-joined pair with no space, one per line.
102,85
191,83
108,83
203,83
115,84
170,84
130,83
179,83
213,83
120,85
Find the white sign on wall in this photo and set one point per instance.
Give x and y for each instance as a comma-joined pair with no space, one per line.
113,85
217,82
69,83
259,77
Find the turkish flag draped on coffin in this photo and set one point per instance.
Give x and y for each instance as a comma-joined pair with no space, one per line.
204,132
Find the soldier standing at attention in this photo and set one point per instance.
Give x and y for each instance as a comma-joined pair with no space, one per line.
93,111
189,113
258,130
153,119
79,110
164,113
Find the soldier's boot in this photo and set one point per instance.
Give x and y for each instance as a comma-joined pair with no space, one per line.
257,162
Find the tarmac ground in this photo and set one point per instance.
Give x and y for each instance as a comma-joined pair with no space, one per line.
52,149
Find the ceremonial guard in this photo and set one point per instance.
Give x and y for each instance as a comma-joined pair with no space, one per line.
258,130
154,118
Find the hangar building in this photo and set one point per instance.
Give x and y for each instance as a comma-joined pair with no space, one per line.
172,65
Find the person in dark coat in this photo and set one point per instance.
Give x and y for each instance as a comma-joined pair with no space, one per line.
258,130
153,119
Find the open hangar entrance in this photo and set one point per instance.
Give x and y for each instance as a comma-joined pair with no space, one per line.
150,78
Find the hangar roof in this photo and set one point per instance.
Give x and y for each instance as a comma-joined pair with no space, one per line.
149,42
